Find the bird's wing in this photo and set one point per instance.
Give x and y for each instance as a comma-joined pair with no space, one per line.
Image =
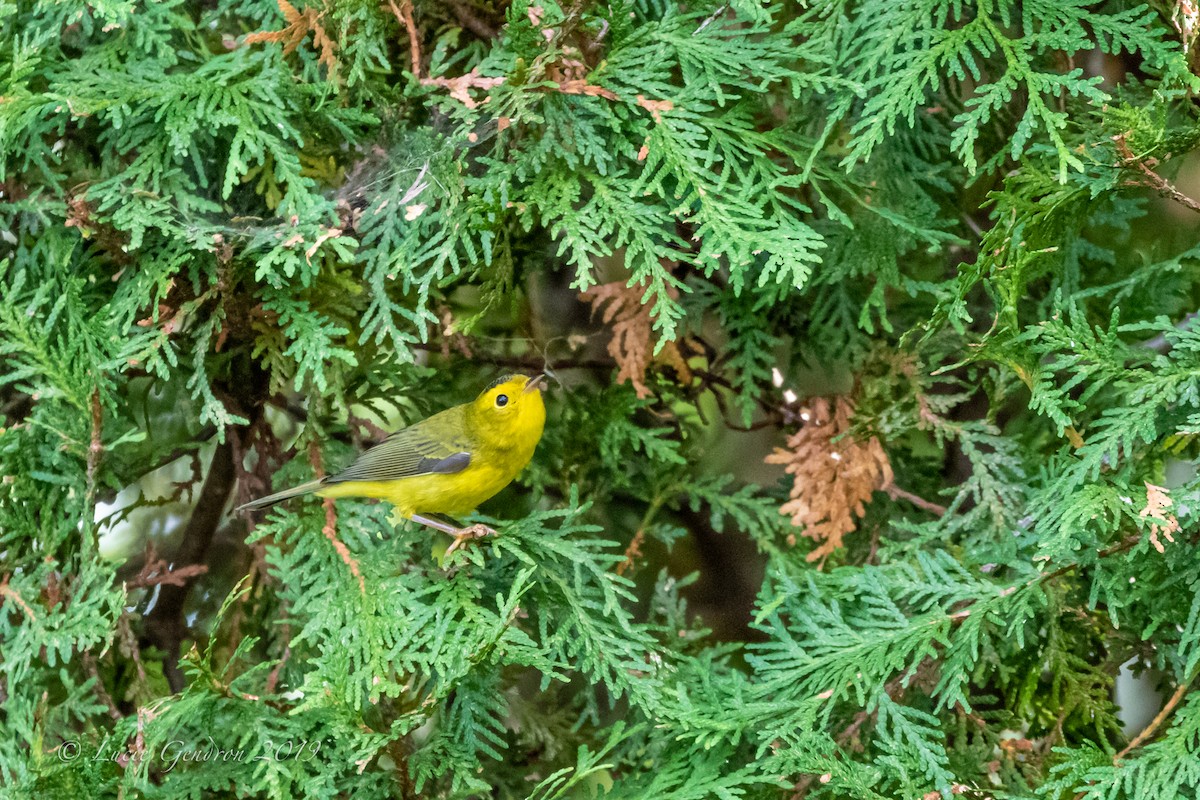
407,452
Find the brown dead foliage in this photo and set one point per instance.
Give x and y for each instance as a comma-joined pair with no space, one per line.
299,25
580,86
655,107
460,87
1157,503
631,319
330,527
633,552
107,238
834,474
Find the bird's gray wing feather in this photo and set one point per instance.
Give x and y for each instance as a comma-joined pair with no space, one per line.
407,452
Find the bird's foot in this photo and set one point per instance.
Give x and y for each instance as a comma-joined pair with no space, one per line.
464,535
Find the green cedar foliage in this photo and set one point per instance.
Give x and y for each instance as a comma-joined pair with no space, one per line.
239,239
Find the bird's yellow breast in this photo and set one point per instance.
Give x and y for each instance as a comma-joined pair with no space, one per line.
453,494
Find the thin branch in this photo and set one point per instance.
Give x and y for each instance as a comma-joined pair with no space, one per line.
634,550
535,362
1155,723
165,625
404,14
873,550
896,493
895,689
973,225
721,9
95,449
11,594
1120,547
130,643
778,414
157,572
468,19
1150,177
89,663
273,677
1150,729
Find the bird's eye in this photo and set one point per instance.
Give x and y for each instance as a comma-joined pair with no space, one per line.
501,400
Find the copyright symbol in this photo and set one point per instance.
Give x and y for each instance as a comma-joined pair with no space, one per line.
68,752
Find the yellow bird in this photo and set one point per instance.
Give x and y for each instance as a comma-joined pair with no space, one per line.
446,464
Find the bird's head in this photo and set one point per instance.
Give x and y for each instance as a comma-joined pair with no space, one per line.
510,411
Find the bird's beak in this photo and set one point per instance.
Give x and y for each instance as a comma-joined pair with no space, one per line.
536,382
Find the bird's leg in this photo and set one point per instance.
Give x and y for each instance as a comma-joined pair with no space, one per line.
461,534
436,524
476,531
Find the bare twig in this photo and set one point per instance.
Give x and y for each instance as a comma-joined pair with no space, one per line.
896,493
374,432
165,625
721,9
467,18
895,689
11,594
129,642
777,415
96,448
1155,723
402,9
273,678
1149,730
157,572
89,663
973,225
1150,177
873,550
1120,547
191,449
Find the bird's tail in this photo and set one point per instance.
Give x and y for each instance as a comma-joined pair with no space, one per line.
286,494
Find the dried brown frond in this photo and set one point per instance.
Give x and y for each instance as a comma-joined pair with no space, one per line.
299,25
581,86
79,215
834,474
655,107
633,552
452,337
330,527
107,238
460,87
1185,16
1157,503
562,77
632,321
